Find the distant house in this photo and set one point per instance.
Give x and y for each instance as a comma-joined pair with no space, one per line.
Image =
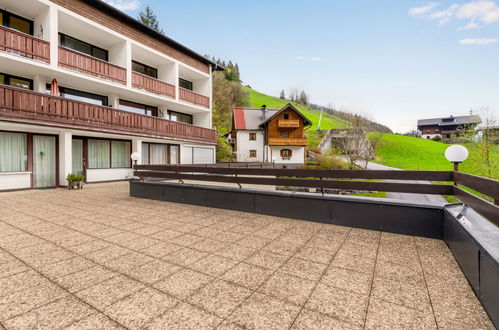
447,126
269,135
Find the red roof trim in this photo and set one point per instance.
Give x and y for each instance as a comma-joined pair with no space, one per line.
239,120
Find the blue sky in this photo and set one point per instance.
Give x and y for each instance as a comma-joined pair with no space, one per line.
393,60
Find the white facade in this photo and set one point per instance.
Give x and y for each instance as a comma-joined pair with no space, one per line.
430,136
49,20
297,154
245,146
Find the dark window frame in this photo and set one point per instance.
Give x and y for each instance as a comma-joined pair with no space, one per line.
6,21
8,76
169,112
189,83
252,136
63,90
168,152
63,36
285,116
284,151
285,134
146,67
252,154
154,110
86,149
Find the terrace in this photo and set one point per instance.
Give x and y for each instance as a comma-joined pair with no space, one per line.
97,258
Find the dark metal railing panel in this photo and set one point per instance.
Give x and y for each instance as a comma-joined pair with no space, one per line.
485,208
486,186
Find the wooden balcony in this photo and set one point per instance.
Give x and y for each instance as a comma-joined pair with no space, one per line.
288,123
287,141
19,105
77,61
195,98
24,44
152,85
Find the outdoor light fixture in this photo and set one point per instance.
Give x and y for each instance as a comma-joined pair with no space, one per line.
135,156
456,154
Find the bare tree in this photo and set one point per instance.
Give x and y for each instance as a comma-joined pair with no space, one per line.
293,95
354,143
483,143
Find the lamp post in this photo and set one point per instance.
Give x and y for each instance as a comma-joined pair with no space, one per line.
135,157
456,154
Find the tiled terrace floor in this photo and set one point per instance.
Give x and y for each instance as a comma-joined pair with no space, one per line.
98,259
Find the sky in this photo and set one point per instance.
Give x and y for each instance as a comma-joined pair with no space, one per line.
395,61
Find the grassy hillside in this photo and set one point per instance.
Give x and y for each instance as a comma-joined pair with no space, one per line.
258,99
411,153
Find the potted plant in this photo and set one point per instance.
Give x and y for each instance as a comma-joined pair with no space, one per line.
79,180
71,179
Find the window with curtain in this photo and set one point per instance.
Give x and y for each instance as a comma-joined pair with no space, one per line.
158,154
174,154
98,153
145,153
120,154
13,152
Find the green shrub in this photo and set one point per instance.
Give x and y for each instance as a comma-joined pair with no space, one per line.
437,138
74,177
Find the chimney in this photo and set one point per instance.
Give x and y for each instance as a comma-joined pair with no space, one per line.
264,111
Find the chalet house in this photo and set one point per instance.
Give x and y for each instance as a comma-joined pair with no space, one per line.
269,135
446,127
83,85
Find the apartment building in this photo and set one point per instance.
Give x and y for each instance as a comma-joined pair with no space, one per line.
447,127
83,85
269,135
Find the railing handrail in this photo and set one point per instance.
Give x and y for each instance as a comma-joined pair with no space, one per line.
204,133
324,179
92,57
23,34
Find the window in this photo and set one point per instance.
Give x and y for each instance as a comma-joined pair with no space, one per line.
160,154
286,153
108,153
186,84
286,116
82,47
77,95
252,136
16,22
180,117
13,152
252,153
144,69
7,79
285,134
138,108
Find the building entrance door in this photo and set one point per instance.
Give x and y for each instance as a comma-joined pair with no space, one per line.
44,161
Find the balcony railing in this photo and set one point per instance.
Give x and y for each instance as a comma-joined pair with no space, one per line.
90,65
287,141
190,96
294,123
24,44
26,106
152,85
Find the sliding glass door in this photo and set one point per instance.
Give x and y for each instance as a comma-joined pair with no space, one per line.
77,156
44,161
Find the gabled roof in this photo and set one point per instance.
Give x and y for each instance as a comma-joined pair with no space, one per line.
447,121
253,118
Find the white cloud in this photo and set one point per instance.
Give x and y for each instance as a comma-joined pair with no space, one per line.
478,12
422,10
300,58
313,58
124,5
478,41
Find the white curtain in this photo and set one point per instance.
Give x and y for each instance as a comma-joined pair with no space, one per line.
158,154
13,152
77,156
44,160
98,154
145,154
173,154
120,154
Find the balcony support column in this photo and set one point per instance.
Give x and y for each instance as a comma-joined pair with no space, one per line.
65,156
176,76
53,35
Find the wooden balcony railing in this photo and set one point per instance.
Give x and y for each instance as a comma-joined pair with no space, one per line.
24,44
190,96
152,85
74,60
287,141
29,107
288,123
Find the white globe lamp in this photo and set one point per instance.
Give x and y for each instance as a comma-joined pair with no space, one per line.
456,154
135,156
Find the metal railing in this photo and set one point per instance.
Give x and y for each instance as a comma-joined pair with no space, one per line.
257,174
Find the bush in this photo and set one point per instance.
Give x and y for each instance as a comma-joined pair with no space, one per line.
224,150
437,138
74,177
329,162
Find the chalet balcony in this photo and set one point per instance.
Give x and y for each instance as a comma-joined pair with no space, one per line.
152,85
19,105
25,45
288,123
195,98
287,141
77,61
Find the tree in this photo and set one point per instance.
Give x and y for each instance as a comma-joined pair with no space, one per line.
293,95
147,17
303,98
282,96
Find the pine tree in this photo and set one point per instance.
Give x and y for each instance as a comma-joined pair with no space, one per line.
282,96
147,17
